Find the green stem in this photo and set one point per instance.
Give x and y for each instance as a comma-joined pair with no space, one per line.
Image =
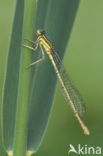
24,79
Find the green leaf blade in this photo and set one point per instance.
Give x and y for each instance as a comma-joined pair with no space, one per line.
12,77
58,24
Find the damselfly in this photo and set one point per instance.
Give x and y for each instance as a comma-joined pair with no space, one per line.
70,93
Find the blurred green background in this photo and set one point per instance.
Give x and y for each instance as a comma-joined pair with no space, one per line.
84,62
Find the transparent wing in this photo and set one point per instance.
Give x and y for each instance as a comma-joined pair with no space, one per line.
72,91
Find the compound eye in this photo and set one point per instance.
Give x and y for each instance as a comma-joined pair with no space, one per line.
40,32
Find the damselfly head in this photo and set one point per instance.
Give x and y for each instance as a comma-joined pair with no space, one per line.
40,32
